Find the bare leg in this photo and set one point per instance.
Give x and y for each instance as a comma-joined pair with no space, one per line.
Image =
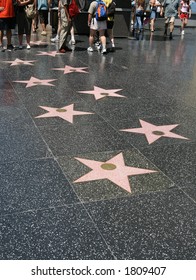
111,37
91,37
20,39
9,35
102,38
72,36
1,37
28,37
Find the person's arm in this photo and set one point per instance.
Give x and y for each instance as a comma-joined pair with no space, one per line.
162,9
89,19
67,12
23,3
49,5
190,12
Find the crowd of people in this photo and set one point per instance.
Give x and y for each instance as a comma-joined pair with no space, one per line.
101,16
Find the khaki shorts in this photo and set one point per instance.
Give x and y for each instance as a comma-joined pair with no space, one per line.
169,19
98,25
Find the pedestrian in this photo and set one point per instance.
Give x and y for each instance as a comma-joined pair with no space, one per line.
139,17
43,7
96,25
184,12
154,4
24,23
111,6
66,25
170,9
7,22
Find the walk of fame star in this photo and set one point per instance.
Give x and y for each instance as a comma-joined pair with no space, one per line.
52,53
101,92
65,113
68,69
38,43
18,61
36,82
154,132
114,170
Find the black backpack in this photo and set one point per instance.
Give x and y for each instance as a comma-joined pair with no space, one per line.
111,9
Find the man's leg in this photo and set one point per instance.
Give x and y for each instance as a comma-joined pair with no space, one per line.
65,29
9,35
1,38
171,28
103,40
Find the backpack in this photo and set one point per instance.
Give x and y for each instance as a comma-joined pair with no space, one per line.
111,9
101,11
73,9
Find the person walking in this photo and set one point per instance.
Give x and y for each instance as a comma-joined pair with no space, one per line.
184,12
111,5
170,9
66,25
139,17
154,4
95,25
24,23
43,7
7,22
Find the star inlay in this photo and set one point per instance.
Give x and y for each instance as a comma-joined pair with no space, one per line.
36,82
114,170
68,69
101,92
154,132
38,43
65,113
52,53
18,61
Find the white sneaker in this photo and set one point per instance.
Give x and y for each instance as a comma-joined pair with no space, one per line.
55,39
104,51
182,32
72,42
28,47
20,47
90,49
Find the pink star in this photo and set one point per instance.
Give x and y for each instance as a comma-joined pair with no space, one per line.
68,69
114,170
38,43
52,53
101,92
154,132
36,82
65,113
20,62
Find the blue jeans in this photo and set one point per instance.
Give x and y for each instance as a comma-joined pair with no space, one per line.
139,16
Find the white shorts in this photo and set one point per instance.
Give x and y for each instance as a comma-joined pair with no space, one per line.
98,25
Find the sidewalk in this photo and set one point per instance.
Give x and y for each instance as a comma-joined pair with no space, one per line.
98,153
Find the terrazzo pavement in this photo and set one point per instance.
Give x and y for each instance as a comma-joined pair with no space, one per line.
78,186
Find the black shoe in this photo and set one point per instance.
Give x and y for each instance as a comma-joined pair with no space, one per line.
170,36
2,48
10,47
165,33
112,49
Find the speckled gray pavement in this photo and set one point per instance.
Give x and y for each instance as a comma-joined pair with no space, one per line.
98,153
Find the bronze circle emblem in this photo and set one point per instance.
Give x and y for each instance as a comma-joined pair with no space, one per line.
108,166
